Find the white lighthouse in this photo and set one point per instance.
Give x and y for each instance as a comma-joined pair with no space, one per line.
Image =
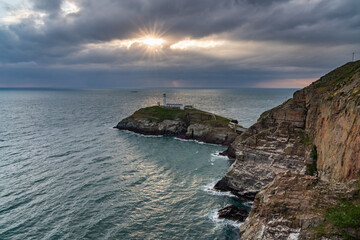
172,105
164,99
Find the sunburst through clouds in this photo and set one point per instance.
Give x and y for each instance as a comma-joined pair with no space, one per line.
152,38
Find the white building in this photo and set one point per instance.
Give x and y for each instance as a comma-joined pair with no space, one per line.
164,99
171,105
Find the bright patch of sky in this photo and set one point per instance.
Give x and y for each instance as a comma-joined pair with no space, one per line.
69,7
12,12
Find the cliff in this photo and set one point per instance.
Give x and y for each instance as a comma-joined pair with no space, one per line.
317,132
295,206
333,122
276,143
188,123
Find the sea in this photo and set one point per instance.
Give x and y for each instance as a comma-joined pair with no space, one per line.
66,173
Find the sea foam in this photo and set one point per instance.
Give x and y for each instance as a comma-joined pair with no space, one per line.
209,188
217,155
196,141
142,135
214,217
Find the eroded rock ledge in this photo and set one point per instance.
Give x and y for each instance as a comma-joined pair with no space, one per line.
233,213
188,124
292,207
274,144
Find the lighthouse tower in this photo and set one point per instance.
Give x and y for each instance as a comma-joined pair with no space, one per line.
164,99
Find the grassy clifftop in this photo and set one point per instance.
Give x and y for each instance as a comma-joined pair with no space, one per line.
191,116
333,83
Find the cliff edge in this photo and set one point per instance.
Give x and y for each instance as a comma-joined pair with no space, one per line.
315,137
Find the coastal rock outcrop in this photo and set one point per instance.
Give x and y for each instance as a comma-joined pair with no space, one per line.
272,145
317,132
292,207
149,127
324,115
333,122
187,123
233,213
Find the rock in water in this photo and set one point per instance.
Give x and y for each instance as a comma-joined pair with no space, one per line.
233,213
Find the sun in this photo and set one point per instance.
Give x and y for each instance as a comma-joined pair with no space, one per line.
152,41
153,46
149,43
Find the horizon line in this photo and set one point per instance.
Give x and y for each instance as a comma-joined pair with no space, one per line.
139,88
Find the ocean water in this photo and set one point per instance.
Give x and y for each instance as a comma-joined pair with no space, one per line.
65,173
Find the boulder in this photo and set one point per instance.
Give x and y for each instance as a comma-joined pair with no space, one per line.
233,213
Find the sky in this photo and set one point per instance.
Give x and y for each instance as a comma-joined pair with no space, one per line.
182,43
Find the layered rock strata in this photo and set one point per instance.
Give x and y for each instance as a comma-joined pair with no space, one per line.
272,145
318,129
326,115
233,213
292,207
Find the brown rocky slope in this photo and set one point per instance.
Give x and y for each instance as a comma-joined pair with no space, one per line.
295,206
317,132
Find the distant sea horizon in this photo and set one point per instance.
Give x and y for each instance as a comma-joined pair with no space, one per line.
134,88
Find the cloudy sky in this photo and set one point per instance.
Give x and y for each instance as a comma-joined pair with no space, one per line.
182,43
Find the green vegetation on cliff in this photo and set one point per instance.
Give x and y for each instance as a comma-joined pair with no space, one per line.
311,169
343,219
336,79
191,115
344,215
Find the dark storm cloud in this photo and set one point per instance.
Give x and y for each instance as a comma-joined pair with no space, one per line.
325,22
317,36
46,5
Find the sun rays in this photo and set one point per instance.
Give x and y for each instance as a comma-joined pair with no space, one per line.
152,38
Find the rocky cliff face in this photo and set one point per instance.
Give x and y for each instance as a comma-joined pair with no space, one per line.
333,122
292,206
272,145
316,132
189,124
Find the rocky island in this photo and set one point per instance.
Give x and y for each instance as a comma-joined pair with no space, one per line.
188,123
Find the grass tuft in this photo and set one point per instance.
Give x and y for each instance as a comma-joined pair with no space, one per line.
344,215
311,169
